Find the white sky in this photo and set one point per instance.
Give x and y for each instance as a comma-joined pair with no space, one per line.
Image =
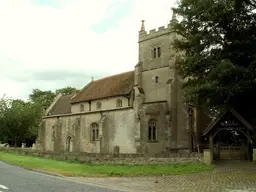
47,47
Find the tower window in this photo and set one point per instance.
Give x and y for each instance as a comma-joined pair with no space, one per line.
156,52
156,79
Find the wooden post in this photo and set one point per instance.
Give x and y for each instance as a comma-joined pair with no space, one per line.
248,146
229,152
249,154
190,142
211,143
217,151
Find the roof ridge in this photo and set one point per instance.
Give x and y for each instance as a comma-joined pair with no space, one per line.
113,85
113,75
67,94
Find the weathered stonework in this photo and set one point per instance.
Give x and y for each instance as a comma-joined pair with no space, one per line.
208,158
116,158
115,130
152,117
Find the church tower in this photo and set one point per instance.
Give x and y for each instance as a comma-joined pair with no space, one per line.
163,119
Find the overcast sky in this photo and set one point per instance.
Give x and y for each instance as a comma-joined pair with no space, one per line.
50,44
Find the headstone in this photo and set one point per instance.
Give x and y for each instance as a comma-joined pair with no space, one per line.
116,149
23,145
34,146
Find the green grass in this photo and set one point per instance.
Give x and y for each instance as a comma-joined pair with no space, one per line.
79,169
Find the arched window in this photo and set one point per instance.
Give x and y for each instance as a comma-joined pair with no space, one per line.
152,132
81,107
98,105
119,103
69,144
95,132
53,132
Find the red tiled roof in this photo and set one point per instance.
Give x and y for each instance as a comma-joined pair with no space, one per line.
116,85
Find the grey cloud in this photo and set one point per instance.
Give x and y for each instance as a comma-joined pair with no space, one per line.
14,70
56,75
52,80
45,79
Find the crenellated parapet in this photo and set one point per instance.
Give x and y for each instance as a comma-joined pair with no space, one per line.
153,33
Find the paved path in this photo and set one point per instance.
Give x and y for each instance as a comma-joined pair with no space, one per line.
232,176
14,179
227,177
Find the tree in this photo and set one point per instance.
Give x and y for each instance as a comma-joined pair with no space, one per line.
19,120
43,98
218,46
4,104
66,90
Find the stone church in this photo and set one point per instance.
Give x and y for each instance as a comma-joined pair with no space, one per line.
139,111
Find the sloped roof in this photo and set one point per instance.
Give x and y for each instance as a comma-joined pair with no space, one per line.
115,85
235,114
62,106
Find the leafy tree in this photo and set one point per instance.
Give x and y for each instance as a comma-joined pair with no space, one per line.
4,104
43,98
218,46
19,120
66,90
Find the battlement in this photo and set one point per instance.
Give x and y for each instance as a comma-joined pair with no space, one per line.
144,35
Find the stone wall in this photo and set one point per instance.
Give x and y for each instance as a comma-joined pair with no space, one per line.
113,158
159,112
116,128
106,104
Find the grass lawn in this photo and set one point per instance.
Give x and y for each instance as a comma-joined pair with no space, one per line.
78,169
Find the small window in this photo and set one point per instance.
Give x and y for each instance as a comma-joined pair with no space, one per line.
90,107
95,131
158,51
69,144
53,132
154,53
119,103
82,107
152,132
98,105
156,79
